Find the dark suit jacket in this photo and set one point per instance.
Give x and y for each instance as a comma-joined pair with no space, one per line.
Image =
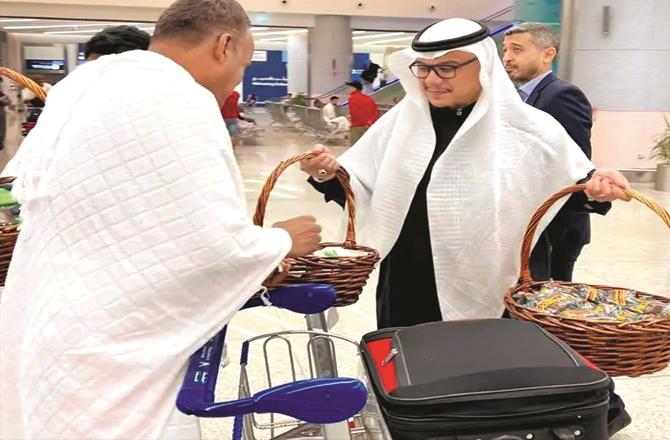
570,107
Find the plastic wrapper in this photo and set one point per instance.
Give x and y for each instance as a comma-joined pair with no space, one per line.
588,302
337,251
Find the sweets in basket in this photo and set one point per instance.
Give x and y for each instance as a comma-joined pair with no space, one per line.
622,331
345,266
9,231
9,227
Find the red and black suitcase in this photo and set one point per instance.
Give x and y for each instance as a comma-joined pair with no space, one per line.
493,379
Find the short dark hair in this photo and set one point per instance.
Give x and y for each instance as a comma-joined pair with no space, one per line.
333,98
197,19
117,39
543,35
355,84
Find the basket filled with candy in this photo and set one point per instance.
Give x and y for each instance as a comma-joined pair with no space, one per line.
622,331
9,209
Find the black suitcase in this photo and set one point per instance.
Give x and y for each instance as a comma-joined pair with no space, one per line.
493,379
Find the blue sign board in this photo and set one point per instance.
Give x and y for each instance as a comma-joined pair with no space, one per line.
266,77
361,61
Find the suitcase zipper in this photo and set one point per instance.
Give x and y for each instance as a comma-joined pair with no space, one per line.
410,421
389,357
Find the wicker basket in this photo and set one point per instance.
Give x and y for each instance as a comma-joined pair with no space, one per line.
8,235
10,232
347,275
620,349
24,81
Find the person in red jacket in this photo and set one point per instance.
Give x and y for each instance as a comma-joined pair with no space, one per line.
362,109
230,112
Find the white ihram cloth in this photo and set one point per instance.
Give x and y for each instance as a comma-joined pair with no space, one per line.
136,249
331,118
505,160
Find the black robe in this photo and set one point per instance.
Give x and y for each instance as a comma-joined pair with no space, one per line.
406,292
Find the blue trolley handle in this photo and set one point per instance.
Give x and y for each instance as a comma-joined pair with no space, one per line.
322,400
307,299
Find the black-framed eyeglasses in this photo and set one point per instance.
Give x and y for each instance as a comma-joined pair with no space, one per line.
444,71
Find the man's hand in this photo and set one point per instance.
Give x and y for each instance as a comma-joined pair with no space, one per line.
606,186
323,166
304,232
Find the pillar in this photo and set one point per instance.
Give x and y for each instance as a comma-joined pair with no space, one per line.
621,48
330,53
298,63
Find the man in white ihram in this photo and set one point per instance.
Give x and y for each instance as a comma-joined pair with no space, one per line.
136,246
340,123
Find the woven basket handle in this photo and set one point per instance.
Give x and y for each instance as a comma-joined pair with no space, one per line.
526,248
24,81
341,175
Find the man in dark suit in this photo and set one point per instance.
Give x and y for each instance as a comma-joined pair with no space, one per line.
528,52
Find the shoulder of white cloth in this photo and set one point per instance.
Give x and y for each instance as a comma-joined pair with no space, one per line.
167,86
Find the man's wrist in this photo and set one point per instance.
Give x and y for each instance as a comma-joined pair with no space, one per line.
588,177
321,179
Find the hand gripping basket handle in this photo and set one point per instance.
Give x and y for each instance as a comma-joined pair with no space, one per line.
526,248
341,175
24,81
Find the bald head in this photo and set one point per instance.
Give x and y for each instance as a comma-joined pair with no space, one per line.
211,39
195,20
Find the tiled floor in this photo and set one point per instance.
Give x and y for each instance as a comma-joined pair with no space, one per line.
630,247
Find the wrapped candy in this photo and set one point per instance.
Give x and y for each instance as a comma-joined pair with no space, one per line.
593,303
338,251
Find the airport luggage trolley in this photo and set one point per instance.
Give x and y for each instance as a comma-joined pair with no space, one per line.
313,402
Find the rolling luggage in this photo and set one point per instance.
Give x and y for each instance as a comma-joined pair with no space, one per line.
491,379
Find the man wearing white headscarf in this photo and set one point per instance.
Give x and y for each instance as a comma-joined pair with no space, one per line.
446,181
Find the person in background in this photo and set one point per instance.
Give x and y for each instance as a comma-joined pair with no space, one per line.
116,39
529,50
29,98
230,111
242,116
251,101
33,104
340,123
317,103
363,111
369,76
4,103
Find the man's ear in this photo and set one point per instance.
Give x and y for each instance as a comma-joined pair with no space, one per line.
223,47
550,54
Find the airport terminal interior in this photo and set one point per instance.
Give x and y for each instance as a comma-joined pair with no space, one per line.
617,52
